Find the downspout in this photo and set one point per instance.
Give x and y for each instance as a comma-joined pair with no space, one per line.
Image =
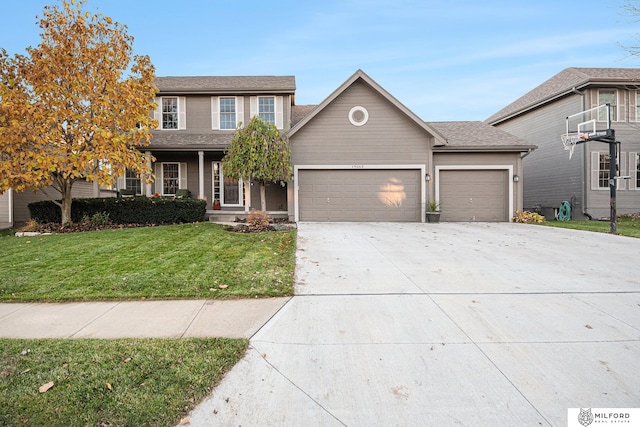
585,168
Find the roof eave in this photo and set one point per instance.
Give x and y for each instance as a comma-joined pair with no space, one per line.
495,148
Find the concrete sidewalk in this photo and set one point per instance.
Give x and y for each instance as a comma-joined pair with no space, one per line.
138,319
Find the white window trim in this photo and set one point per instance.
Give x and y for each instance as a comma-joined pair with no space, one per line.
279,108
619,106
182,112
221,183
633,171
182,177
595,172
215,112
122,184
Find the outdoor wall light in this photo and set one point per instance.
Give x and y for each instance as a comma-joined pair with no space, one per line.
427,177
516,178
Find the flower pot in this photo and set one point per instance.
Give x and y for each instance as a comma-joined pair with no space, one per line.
433,217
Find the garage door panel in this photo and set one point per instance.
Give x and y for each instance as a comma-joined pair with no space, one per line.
474,195
359,195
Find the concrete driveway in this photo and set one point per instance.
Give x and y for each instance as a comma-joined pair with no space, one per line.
443,324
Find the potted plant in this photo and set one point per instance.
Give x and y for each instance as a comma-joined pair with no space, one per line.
433,211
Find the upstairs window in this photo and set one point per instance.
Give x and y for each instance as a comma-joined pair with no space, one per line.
267,109
228,113
171,112
608,96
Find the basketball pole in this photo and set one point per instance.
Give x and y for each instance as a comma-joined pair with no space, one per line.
613,162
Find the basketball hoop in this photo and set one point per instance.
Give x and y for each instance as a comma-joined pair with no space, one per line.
571,139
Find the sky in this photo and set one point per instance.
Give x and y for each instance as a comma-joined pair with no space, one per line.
446,60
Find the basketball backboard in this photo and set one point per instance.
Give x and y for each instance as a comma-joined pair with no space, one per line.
593,124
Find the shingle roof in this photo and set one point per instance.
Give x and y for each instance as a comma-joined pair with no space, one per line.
222,84
181,140
298,112
478,135
563,83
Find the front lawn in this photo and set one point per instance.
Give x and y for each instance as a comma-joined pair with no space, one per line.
195,261
127,382
626,226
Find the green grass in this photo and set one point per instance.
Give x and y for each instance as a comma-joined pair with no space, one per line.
131,382
171,262
625,226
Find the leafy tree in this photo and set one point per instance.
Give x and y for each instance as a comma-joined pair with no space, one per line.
74,108
258,152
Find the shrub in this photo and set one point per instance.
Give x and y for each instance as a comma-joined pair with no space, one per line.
128,210
527,217
258,221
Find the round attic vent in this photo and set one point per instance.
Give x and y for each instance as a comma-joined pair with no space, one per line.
358,116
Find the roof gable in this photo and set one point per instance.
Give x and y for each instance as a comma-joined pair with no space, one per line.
361,75
564,83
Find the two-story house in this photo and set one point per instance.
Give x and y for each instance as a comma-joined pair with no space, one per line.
197,118
360,155
552,177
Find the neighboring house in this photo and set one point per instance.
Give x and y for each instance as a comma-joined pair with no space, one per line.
6,209
551,177
361,155
197,118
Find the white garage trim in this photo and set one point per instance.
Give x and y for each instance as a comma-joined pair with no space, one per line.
421,168
508,168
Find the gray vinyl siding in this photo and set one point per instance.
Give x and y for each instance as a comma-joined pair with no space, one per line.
5,214
389,137
549,176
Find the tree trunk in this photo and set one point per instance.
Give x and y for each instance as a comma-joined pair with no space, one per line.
66,206
263,196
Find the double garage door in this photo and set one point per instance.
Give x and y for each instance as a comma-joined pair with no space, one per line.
395,195
359,195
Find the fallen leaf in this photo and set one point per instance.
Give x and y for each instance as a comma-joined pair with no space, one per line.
109,386
127,360
44,387
588,326
184,421
25,352
64,365
223,286
25,371
264,355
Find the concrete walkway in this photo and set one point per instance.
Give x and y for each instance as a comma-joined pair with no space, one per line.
138,319
438,325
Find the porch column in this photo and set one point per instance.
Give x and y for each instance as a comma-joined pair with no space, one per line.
148,184
201,175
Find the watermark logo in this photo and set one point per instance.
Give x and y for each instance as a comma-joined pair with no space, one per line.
590,417
585,417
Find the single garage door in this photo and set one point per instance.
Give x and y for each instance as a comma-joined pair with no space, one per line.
474,195
359,195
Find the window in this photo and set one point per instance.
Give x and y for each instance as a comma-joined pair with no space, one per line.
227,190
637,105
132,182
169,113
608,96
634,171
227,113
602,168
267,109
170,178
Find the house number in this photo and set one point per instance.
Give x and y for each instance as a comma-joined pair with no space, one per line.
357,166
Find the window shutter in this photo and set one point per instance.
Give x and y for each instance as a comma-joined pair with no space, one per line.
253,106
621,115
633,171
240,111
121,183
157,113
157,184
594,103
182,112
633,97
621,184
215,113
279,112
183,176
595,168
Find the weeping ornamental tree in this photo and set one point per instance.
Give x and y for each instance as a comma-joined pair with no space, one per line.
76,107
258,152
